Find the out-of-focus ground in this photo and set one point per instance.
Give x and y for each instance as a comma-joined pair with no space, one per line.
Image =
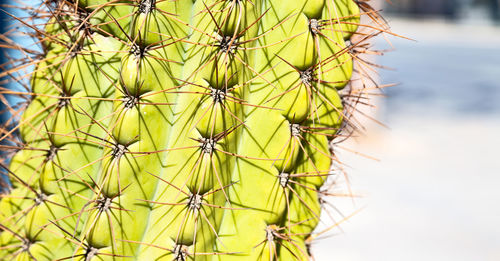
435,193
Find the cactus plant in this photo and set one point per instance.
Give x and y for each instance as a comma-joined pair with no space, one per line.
177,130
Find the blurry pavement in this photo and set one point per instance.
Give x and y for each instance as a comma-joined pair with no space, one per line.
435,194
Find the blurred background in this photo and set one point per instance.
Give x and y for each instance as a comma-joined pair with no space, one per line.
4,115
434,192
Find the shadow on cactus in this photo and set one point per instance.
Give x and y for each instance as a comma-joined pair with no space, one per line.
179,130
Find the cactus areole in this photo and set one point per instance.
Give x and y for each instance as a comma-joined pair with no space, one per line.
179,129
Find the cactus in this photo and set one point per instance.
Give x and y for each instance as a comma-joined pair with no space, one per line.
178,130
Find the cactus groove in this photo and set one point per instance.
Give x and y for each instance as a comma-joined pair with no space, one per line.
179,130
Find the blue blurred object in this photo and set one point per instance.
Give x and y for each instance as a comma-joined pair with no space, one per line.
3,22
437,80
446,8
426,7
493,6
452,70
3,108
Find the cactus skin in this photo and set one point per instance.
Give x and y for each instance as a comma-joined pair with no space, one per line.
178,130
